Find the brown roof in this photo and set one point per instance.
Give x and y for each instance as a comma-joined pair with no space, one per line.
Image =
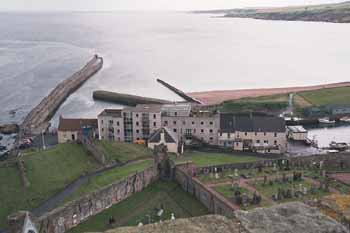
111,112
66,124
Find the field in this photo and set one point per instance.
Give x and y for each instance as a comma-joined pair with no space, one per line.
135,209
124,152
340,95
110,177
264,103
48,172
202,159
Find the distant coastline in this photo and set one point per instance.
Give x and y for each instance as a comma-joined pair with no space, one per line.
332,13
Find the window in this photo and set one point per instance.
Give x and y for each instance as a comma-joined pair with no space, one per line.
266,141
275,142
210,131
174,122
110,121
175,130
117,123
211,139
275,135
228,135
102,129
118,131
137,131
257,141
165,123
193,123
137,139
220,134
184,122
137,115
245,133
202,123
202,130
237,144
256,134
154,116
175,113
211,123
101,121
155,124
194,130
264,133
137,123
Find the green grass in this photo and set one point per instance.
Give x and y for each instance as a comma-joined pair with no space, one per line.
48,173
110,177
134,209
340,95
124,152
263,103
227,191
202,159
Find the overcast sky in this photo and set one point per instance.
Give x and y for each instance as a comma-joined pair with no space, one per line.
115,5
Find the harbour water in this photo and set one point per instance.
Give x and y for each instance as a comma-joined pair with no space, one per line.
192,51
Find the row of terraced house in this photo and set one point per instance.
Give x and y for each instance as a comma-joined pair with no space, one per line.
183,123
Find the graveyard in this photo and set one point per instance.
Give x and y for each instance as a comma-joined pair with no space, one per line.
264,186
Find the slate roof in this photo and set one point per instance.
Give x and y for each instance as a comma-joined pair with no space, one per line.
112,113
230,123
146,108
66,124
155,137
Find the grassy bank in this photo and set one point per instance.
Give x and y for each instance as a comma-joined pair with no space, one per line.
124,152
340,95
48,173
202,159
109,177
263,104
134,209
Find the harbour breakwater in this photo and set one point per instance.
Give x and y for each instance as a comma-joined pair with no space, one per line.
38,118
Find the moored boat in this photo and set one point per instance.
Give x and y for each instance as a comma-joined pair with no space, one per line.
345,119
326,120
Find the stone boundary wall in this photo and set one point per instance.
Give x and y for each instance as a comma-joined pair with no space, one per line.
330,160
92,148
214,202
23,173
70,215
8,163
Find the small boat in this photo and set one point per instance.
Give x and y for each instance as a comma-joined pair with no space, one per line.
340,146
326,120
345,119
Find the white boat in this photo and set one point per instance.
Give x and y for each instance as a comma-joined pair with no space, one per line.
345,119
326,120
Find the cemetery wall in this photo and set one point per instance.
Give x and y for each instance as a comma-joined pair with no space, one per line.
64,218
215,203
329,160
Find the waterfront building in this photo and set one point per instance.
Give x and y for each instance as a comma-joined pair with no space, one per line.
263,134
73,129
297,133
131,124
188,124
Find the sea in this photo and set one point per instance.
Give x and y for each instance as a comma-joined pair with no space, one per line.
194,52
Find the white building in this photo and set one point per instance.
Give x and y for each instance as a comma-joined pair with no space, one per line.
297,133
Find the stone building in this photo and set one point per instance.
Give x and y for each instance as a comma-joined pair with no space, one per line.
130,124
72,129
297,133
165,137
264,134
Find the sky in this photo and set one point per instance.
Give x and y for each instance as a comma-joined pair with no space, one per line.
143,5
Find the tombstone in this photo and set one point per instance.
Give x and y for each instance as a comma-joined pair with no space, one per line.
236,172
217,176
274,167
321,164
289,194
284,178
172,217
305,191
245,199
300,188
265,180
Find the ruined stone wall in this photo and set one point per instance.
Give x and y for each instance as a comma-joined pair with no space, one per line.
64,218
93,149
215,203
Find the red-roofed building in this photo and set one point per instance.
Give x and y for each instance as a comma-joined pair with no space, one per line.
74,129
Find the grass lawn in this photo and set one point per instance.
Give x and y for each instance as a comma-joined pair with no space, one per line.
227,191
339,95
124,152
202,159
48,172
134,209
110,177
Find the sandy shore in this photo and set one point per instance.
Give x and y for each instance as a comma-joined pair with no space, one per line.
216,97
